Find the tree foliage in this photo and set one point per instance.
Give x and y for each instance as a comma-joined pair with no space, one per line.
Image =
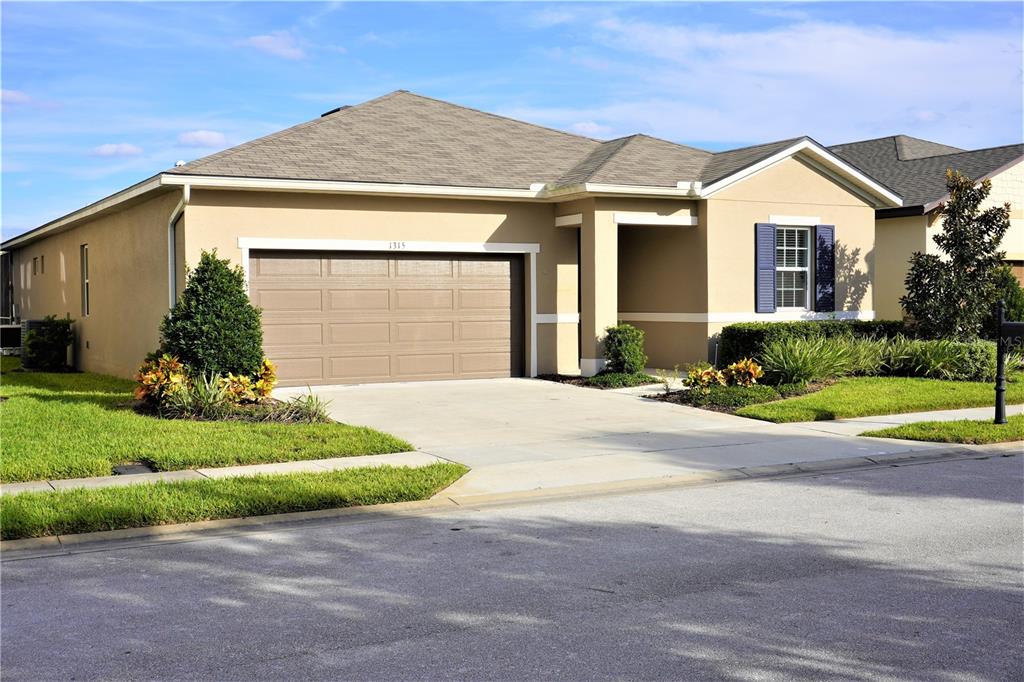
949,296
213,328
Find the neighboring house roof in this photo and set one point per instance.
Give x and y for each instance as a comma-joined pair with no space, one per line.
916,168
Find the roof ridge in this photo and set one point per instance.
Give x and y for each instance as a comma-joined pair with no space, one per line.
623,141
278,134
499,116
764,144
676,144
870,139
965,151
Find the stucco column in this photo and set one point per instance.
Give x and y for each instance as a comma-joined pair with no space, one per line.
599,281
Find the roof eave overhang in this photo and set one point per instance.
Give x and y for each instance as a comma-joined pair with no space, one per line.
105,205
821,158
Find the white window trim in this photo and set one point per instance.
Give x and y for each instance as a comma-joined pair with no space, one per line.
246,244
85,279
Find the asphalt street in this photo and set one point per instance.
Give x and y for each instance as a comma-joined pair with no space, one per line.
910,572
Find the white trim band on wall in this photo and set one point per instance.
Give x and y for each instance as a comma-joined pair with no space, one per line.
558,318
574,220
245,244
654,219
718,318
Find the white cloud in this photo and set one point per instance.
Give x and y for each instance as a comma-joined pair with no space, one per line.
15,97
202,138
277,43
549,17
117,149
590,128
836,82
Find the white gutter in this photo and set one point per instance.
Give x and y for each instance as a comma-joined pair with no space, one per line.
172,243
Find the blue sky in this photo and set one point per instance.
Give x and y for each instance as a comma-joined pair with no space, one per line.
97,96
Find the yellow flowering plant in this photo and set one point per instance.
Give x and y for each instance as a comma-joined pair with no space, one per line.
743,372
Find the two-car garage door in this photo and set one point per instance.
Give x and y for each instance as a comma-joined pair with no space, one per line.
342,317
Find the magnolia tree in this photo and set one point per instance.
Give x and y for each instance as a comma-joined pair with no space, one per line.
950,296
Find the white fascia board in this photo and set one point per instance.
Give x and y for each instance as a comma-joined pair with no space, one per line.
287,244
884,197
654,219
342,187
100,206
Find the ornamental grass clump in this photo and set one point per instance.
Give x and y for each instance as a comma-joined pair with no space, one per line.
804,361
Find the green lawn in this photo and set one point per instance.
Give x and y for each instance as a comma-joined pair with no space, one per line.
85,510
78,425
864,396
967,431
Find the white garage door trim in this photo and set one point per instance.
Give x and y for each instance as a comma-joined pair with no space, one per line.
267,243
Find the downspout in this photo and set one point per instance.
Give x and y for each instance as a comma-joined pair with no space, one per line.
172,256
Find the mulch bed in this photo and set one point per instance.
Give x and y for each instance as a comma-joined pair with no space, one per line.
572,379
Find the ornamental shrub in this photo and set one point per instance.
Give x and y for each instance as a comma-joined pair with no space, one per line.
942,359
624,349
743,372
46,346
795,360
213,328
748,339
702,377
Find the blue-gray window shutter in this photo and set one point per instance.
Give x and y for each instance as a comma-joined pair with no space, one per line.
764,258
825,268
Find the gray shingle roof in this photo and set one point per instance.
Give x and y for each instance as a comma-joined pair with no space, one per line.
405,138
726,163
916,169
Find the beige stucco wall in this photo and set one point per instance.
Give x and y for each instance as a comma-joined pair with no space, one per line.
127,280
896,239
789,188
217,219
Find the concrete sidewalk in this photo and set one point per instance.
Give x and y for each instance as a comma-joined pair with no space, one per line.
857,425
398,459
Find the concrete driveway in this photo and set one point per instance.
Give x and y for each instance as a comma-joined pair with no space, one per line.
524,434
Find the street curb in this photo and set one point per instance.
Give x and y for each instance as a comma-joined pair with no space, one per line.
133,537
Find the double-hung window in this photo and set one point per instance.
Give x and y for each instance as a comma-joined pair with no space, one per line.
793,257
792,267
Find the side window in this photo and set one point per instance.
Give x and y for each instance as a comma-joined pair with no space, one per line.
83,251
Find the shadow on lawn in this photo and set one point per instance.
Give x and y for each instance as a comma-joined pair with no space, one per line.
517,595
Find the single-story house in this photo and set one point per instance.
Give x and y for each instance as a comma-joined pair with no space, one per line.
407,238
916,169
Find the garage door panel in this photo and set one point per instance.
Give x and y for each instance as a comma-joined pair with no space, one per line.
363,367
425,267
416,365
424,299
484,299
306,334
288,266
485,330
413,332
365,266
369,317
485,363
306,300
300,370
359,333
359,299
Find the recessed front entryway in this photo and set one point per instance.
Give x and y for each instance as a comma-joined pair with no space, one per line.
357,317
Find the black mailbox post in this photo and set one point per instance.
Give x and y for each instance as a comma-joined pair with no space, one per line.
1011,334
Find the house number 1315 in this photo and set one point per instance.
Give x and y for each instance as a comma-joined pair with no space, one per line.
396,245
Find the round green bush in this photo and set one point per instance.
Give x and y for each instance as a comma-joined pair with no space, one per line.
213,328
624,349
